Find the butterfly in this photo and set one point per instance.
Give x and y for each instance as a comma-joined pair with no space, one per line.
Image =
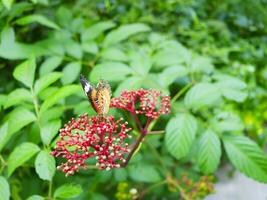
98,96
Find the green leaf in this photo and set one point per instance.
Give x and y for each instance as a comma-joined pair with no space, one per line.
18,96
90,47
229,122
25,72
114,54
246,156
201,64
59,95
37,19
95,30
73,49
50,64
130,83
144,173
110,71
169,74
53,113
4,189
4,136
231,87
209,152
45,165
202,94
124,32
68,191
120,174
17,119
71,72
49,130
35,197
20,155
180,134
45,81
7,3
140,61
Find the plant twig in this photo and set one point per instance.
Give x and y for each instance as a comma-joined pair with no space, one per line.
155,132
181,92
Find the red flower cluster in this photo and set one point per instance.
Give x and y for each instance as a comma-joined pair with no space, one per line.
147,102
99,137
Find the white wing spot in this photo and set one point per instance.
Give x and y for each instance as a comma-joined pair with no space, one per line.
87,87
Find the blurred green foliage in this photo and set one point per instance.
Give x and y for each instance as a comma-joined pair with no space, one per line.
209,56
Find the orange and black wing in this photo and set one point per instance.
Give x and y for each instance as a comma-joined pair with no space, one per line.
103,95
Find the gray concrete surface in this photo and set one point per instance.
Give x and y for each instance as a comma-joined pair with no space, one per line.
239,187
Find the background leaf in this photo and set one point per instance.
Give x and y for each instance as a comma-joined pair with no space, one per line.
68,191
4,189
71,72
20,155
37,19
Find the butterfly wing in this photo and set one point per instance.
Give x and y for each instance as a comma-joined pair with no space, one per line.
103,96
99,97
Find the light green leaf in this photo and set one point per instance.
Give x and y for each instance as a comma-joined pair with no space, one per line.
59,95
144,173
170,53
49,130
4,189
130,83
50,64
20,155
140,61
180,134
209,152
45,165
7,3
4,136
114,54
123,32
202,94
68,191
45,81
53,113
37,19
18,96
201,64
169,74
236,95
246,156
25,72
97,196
71,72
17,119
110,71
35,197
95,30
226,81
73,49
90,47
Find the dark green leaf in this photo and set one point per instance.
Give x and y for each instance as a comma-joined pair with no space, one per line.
35,197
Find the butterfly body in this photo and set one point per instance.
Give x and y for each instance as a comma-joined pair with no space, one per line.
98,96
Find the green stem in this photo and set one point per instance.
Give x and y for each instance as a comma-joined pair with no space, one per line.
155,132
50,190
181,92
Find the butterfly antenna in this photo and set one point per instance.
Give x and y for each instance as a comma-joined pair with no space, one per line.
86,85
